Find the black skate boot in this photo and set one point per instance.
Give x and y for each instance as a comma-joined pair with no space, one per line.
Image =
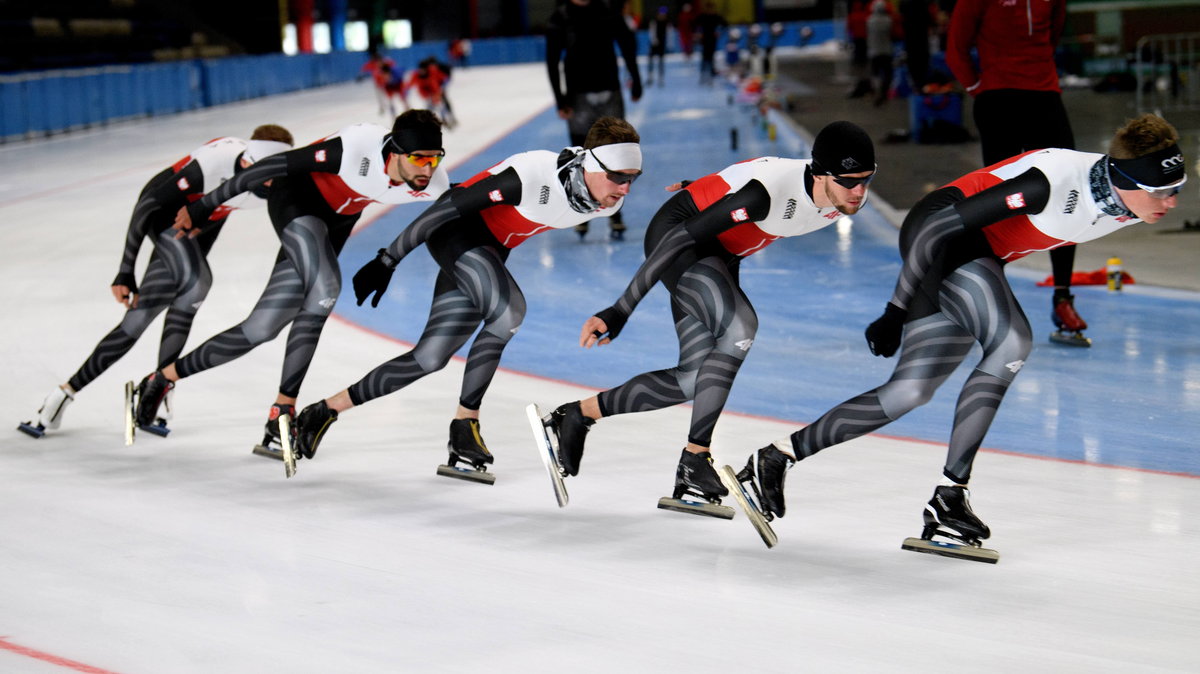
271,447
948,514
466,445
570,427
310,428
695,476
150,394
1069,325
764,472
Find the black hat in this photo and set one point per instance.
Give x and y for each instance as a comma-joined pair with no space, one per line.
841,148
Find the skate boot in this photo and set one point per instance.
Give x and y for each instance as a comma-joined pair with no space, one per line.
570,427
616,230
764,473
466,445
271,447
310,428
50,414
1070,325
150,395
696,477
948,514
581,229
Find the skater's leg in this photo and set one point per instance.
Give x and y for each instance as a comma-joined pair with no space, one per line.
155,293
194,279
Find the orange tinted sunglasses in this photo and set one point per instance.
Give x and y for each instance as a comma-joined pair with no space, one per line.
425,159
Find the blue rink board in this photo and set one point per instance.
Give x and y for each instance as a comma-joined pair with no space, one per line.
1132,400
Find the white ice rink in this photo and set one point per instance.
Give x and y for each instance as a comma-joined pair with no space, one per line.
191,555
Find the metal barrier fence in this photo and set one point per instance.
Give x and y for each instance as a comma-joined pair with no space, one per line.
1167,73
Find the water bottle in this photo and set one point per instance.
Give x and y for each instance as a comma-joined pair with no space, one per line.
1113,268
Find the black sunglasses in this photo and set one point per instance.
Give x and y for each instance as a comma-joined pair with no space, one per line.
616,177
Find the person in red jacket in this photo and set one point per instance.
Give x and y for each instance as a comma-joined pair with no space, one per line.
1018,103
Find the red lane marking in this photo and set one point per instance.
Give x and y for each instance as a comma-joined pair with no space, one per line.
52,659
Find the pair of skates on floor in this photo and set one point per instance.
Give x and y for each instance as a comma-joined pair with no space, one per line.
290,438
757,488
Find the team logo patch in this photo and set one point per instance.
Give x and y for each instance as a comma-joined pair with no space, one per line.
849,165
183,184
1072,201
320,156
364,166
740,215
544,195
495,196
789,210
1015,201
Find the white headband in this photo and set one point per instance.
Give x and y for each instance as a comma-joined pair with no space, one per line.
617,157
260,149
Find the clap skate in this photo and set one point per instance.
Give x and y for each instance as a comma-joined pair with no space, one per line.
696,477
1070,325
144,402
466,445
542,428
50,414
948,515
763,499
310,428
271,446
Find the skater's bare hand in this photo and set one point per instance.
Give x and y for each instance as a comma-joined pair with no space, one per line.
183,225
125,295
674,187
589,335
565,113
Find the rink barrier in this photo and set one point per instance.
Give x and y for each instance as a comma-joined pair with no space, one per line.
35,104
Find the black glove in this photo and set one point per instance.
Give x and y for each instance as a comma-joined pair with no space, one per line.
883,336
374,277
126,279
614,320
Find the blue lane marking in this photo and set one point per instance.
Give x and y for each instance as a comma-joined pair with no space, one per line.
1133,399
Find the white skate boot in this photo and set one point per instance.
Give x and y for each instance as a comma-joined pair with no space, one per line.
50,414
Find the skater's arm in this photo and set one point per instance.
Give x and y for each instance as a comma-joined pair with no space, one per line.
554,50
627,43
155,203
323,157
1025,194
750,203
374,277
502,188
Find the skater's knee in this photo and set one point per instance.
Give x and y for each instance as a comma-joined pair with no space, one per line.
738,336
505,325
1006,359
898,398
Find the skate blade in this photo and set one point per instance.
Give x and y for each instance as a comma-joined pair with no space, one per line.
160,430
28,428
680,505
1070,339
729,479
285,440
129,425
468,474
546,450
269,452
955,550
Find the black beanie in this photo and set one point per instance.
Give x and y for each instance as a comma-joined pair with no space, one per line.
842,147
413,131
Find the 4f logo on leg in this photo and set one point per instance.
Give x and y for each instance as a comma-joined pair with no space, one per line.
1015,366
